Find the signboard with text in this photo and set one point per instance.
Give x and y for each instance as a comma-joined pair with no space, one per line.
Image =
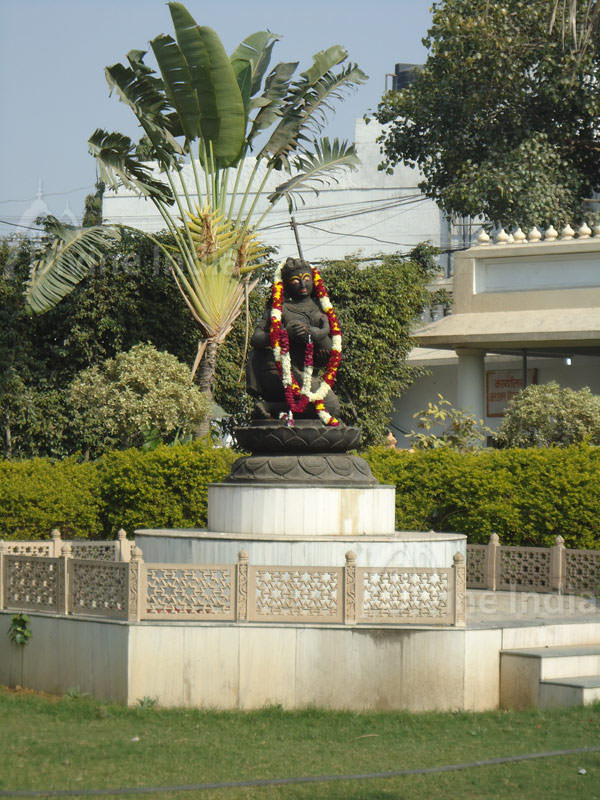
501,386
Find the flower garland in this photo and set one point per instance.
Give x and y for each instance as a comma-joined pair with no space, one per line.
298,397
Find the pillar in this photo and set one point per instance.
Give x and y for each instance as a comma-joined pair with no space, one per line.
471,382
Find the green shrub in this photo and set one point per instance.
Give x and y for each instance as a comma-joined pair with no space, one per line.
527,497
541,416
141,390
39,494
163,488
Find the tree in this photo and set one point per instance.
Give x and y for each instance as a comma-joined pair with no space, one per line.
377,306
92,212
139,392
208,111
546,415
503,118
129,298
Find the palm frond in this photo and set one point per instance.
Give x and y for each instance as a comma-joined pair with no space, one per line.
308,100
65,262
314,170
269,103
137,87
115,154
202,85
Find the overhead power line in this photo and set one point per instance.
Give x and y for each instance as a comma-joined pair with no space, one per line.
50,194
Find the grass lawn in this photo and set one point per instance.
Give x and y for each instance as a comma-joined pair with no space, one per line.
76,743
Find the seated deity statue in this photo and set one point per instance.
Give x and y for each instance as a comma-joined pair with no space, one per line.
302,322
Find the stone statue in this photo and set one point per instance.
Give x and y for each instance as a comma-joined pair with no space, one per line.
304,321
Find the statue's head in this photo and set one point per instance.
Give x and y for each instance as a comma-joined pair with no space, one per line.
297,279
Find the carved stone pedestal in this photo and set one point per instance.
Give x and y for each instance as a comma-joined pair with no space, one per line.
307,453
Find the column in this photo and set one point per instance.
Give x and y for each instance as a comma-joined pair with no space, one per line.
470,379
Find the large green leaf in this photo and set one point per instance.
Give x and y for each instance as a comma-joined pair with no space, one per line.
323,61
317,99
305,105
212,78
178,86
65,262
256,50
277,85
145,96
316,169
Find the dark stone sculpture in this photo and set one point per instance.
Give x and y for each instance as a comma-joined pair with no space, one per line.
307,451
301,317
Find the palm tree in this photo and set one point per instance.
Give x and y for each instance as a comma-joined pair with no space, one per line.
208,112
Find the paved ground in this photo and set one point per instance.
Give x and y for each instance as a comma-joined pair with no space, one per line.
489,609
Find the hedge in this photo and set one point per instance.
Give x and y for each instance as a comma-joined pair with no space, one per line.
164,488
129,489
39,495
526,496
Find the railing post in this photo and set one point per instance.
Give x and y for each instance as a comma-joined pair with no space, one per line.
460,590
350,589
492,562
241,599
134,601
3,551
123,547
57,543
63,579
557,565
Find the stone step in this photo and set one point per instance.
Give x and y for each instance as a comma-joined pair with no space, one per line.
523,671
573,691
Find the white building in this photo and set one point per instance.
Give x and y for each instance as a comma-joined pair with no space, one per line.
526,311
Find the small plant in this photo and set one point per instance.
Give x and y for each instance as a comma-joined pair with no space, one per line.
19,631
463,431
75,693
147,702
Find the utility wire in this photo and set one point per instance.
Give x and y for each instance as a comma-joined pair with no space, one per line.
17,225
50,194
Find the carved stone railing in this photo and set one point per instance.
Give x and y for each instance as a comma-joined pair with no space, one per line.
68,585
245,593
118,549
583,233
533,569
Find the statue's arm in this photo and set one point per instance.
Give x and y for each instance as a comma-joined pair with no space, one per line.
320,333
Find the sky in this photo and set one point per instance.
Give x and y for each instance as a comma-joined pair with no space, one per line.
54,93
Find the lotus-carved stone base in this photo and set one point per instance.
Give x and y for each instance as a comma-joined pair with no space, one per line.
305,436
307,452
333,469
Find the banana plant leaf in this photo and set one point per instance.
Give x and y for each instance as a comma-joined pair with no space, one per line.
202,86
66,262
114,153
256,49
